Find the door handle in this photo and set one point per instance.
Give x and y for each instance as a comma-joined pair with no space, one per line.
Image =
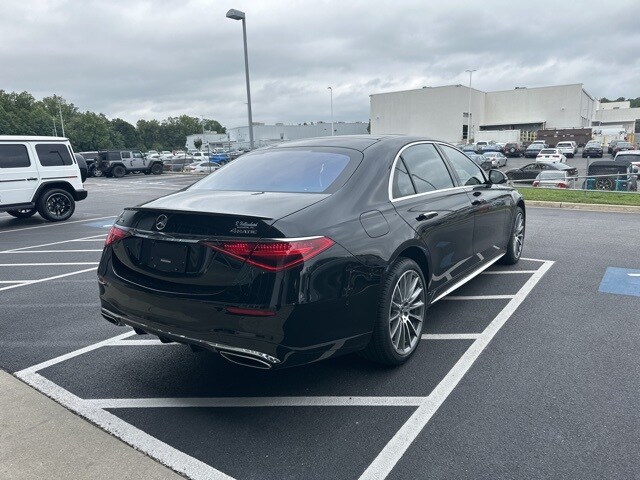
477,202
32,179
426,216
477,194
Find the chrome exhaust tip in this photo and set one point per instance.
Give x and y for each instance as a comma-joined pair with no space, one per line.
245,360
111,318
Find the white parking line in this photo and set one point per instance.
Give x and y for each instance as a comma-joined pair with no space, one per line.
94,409
450,336
250,402
50,264
32,282
166,454
141,343
16,281
52,251
82,239
507,272
402,440
57,224
478,297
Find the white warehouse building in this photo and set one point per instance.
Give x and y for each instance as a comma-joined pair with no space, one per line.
442,112
238,137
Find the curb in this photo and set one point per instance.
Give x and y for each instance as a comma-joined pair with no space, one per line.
593,207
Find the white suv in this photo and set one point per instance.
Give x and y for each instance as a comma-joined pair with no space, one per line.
39,174
568,149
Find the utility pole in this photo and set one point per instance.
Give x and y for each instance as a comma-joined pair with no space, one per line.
61,121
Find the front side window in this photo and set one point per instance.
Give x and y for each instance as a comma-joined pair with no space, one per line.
14,156
295,170
53,154
468,172
426,168
137,155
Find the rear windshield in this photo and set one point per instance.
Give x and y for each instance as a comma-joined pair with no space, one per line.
623,144
535,146
547,151
295,170
564,144
627,157
552,174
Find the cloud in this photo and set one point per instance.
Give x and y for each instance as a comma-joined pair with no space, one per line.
152,59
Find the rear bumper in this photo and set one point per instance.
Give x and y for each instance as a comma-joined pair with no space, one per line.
315,329
80,195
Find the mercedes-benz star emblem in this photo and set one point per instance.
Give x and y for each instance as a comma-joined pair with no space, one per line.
161,222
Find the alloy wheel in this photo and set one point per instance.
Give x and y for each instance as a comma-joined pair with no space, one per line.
58,204
407,311
518,235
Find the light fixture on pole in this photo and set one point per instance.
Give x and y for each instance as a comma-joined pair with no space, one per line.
238,15
469,110
331,92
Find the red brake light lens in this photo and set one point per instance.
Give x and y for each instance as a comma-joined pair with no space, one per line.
274,255
536,183
561,185
115,235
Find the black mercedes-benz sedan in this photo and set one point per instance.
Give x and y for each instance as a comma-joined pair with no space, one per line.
310,249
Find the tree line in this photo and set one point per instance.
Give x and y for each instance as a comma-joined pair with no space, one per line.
634,102
22,114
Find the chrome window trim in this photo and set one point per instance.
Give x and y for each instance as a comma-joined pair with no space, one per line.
393,171
482,172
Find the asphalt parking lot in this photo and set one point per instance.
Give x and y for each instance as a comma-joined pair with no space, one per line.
529,371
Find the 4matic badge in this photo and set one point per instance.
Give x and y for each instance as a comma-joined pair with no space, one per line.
245,228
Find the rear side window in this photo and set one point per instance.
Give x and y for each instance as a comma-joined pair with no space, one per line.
14,156
295,170
53,154
402,185
126,154
426,168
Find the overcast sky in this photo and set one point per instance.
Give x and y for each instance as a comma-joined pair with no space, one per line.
153,59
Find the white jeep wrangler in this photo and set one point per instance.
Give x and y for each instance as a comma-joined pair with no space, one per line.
39,174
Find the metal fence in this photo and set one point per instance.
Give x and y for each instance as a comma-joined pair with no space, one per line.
619,182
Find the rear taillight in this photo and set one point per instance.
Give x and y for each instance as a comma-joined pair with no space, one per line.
561,185
115,235
536,183
274,255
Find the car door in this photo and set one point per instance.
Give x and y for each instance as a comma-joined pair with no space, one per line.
492,205
531,171
137,160
425,196
19,174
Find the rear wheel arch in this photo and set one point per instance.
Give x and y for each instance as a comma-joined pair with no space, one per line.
48,186
418,255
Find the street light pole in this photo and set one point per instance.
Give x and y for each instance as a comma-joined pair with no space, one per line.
238,15
331,92
61,121
469,109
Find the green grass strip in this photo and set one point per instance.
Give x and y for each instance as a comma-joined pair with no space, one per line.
579,196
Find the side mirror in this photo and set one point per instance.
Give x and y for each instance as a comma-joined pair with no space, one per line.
496,177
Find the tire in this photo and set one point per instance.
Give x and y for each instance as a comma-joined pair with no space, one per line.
97,172
118,171
394,340
156,169
22,212
56,205
605,184
516,239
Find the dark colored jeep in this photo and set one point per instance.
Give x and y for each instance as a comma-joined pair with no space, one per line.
603,174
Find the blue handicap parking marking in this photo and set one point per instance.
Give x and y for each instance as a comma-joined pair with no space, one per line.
621,281
100,224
